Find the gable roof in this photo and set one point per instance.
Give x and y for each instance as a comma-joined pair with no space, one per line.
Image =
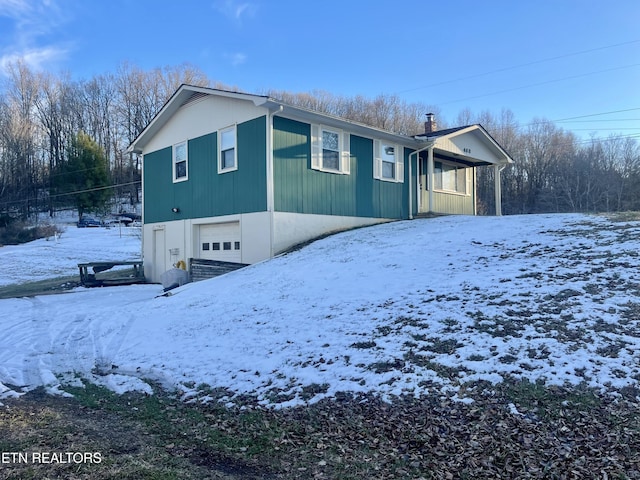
188,93
184,95
442,140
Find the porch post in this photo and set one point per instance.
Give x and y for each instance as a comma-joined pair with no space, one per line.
430,177
498,188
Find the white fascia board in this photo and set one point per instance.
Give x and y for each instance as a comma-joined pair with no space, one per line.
175,102
312,117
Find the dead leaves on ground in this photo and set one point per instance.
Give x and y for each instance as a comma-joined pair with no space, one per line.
365,437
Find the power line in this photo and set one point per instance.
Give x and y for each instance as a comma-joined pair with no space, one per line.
57,195
601,120
94,189
597,114
513,67
571,77
568,120
604,129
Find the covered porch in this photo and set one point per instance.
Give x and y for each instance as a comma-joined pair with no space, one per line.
446,169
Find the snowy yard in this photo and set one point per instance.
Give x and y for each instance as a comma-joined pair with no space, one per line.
440,306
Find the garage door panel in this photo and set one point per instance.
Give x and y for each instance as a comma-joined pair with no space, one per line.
220,242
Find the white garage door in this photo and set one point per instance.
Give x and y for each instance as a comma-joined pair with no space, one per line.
220,241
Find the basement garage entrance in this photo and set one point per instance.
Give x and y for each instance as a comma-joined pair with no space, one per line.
220,241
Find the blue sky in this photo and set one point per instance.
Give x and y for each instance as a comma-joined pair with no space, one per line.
553,59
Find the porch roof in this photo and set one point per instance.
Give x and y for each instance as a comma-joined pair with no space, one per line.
469,145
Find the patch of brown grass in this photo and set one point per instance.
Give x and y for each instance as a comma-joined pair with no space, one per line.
511,430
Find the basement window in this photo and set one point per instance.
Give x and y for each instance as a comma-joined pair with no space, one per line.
330,150
180,160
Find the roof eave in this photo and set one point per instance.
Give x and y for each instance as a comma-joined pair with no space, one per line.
175,102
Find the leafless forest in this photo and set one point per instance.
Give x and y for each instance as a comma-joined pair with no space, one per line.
40,114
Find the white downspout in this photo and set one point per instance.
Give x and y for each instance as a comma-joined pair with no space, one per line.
270,185
498,188
475,190
411,196
430,176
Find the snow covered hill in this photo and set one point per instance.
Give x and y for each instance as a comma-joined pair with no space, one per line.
418,307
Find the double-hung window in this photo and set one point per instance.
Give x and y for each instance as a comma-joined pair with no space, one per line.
227,150
330,150
388,163
180,160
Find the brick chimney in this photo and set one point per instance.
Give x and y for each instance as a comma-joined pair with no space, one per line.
430,125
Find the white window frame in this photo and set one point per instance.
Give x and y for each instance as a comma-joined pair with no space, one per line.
379,147
464,189
221,132
175,161
344,145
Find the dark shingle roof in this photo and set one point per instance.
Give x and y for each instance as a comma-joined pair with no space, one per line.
440,133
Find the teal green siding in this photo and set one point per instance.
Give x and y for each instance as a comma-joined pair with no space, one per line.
207,193
299,189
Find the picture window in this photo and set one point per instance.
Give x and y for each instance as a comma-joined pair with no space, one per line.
450,178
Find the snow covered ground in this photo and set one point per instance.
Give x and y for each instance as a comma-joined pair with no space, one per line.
59,256
426,306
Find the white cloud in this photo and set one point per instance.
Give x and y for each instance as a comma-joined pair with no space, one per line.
14,8
235,9
33,22
36,59
237,58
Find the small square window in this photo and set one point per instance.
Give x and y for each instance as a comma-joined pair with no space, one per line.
227,245
205,246
215,246
236,246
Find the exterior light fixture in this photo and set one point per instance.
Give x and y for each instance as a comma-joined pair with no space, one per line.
175,209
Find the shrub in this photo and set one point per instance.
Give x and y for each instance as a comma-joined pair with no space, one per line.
16,232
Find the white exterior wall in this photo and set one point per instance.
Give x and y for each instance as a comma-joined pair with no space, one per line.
203,116
255,235
293,228
183,235
474,147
